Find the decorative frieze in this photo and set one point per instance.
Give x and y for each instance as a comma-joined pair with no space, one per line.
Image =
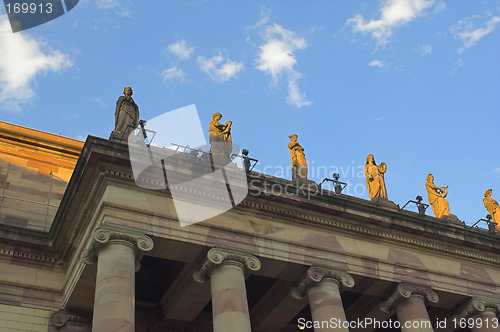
404,292
29,256
371,232
334,223
315,274
217,256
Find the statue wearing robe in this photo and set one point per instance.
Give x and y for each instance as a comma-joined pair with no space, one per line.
493,209
126,113
220,137
298,159
375,182
436,196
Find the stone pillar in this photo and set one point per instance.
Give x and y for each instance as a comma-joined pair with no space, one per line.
323,287
409,303
117,252
480,314
227,270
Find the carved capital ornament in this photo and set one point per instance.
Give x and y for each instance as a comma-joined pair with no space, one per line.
61,317
404,292
217,256
315,275
478,305
105,234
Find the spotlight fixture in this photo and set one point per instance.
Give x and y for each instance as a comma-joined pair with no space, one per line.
420,206
338,186
142,124
492,226
247,161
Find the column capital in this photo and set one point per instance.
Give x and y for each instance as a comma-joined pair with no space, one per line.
217,256
103,234
315,275
61,317
478,305
404,292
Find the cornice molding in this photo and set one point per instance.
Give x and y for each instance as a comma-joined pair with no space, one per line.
348,227
368,231
17,254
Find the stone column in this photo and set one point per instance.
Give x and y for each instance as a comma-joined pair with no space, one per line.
117,252
323,287
227,270
409,303
480,314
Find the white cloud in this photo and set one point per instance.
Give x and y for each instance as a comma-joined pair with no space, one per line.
276,54
120,7
496,172
425,50
295,96
276,58
458,64
265,17
393,14
464,31
219,68
377,63
99,101
173,74
22,60
180,49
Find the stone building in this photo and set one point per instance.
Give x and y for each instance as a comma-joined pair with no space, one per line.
84,248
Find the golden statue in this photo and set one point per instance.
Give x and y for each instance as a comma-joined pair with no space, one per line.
299,164
375,182
126,113
493,209
220,137
436,196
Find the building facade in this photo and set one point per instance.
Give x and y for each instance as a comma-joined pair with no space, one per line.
85,248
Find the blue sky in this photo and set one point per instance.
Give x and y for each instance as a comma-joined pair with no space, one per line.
414,82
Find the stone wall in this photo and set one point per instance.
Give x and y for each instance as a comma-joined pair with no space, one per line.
21,319
35,168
